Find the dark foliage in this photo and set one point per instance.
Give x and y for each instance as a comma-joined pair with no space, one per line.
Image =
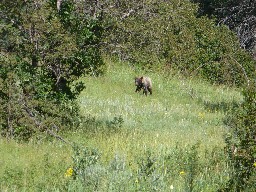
44,51
241,143
239,15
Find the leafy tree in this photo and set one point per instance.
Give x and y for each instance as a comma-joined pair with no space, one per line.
44,50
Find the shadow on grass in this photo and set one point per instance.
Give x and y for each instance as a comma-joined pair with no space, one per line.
220,106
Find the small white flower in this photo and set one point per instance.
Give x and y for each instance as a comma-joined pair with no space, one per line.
171,187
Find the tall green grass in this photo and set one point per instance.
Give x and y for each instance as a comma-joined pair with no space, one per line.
172,140
180,110
33,166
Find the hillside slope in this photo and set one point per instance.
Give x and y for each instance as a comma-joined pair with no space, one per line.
187,111
170,140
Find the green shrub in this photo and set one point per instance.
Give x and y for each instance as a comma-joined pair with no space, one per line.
241,143
178,168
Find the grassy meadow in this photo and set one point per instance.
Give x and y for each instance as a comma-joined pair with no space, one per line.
172,140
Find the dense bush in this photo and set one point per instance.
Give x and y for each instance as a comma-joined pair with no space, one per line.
30,105
44,51
241,143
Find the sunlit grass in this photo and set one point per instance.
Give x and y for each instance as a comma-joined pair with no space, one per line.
179,111
32,166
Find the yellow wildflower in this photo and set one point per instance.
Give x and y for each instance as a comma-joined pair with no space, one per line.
69,172
254,164
201,115
182,173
